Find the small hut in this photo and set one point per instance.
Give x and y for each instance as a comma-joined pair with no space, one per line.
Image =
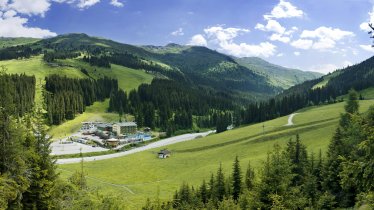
164,154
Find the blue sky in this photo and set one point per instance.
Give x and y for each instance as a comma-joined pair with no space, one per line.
315,35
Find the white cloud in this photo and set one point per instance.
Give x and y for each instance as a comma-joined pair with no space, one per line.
16,27
9,14
220,34
116,3
198,40
271,26
178,32
284,9
368,48
347,63
324,43
296,53
279,37
326,68
83,4
30,7
364,26
279,32
222,39
13,22
3,4
264,49
302,44
323,68
280,55
324,37
326,32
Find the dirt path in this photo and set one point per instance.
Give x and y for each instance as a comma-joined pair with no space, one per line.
157,144
290,118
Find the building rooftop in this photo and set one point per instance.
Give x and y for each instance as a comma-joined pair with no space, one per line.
127,124
164,151
104,125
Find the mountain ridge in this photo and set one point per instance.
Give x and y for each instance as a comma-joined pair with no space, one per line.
197,65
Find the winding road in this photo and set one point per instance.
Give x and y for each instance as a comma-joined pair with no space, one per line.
157,144
290,122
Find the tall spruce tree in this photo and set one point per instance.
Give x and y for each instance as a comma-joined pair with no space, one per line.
43,170
249,177
219,188
236,180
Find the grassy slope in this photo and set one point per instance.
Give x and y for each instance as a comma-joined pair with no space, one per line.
144,174
128,79
278,76
366,93
9,42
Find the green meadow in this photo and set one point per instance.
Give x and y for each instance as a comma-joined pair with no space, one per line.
142,175
128,79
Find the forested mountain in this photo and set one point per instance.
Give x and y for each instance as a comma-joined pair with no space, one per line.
358,77
279,76
198,66
252,78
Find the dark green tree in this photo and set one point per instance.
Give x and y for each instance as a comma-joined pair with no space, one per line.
236,180
249,177
219,188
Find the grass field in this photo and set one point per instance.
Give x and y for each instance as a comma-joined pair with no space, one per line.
139,176
366,93
128,79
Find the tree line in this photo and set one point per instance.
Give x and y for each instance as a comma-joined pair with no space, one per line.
17,92
292,178
17,52
51,56
100,61
282,105
65,97
167,104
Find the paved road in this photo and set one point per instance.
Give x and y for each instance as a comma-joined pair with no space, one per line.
290,119
161,143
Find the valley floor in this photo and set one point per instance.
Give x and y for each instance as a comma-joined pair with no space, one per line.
145,175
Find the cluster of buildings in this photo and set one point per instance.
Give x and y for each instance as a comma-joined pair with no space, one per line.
114,134
119,129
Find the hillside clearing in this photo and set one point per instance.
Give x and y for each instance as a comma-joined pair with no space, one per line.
128,79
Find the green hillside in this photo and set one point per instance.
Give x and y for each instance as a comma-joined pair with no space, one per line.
359,77
139,176
279,76
128,79
199,66
9,42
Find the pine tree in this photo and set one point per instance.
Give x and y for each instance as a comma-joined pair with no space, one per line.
352,104
43,177
219,190
249,177
204,193
211,187
236,180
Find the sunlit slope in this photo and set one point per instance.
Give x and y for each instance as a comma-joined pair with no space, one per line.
128,79
139,176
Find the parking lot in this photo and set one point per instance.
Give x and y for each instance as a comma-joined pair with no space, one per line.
73,148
